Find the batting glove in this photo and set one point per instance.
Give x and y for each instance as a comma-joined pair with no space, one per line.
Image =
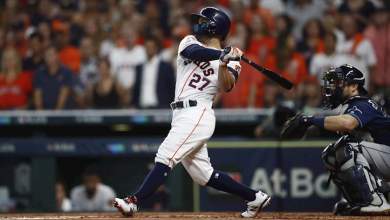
230,54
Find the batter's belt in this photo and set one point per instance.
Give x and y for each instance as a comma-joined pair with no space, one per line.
183,104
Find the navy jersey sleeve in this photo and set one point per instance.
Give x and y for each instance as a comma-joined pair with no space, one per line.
364,111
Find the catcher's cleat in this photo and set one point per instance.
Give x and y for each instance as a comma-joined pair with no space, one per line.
255,206
378,204
126,206
343,208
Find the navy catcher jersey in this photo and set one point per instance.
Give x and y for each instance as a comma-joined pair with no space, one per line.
371,117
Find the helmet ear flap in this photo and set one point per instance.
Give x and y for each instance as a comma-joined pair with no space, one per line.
212,27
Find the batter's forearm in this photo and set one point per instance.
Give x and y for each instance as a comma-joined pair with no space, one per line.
225,78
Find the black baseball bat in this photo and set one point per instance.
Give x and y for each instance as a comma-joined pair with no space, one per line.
270,74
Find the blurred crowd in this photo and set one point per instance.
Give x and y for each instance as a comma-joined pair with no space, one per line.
108,54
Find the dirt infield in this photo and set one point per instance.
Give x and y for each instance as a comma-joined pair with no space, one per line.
183,215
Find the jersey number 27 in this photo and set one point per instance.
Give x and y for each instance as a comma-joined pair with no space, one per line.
196,78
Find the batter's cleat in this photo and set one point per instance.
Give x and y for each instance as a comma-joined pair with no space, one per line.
378,204
255,206
126,206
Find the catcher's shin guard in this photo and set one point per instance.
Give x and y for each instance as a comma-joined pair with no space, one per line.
354,185
350,175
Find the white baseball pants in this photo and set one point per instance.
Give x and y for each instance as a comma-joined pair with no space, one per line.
186,142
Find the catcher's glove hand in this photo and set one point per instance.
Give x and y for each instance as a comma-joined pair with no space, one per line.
295,127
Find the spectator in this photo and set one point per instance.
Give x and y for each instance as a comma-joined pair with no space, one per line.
272,94
359,50
312,39
276,7
42,13
15,85
2,40
34,58
88,72
323,61
330,23
237,8
125,56
180,29
248,91
63,203
76,29
52,83
310,95
107,44
283,25
302,11
92,195
286,60
18,41
155,79
255,8
88,67
361,10
260,42
378,34
46,33
239,36
68,54
117,30
91,28
106,92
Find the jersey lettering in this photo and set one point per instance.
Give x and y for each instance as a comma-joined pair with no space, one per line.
198,80
208,72
373,104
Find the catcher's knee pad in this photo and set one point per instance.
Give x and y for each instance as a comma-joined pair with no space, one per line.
337,153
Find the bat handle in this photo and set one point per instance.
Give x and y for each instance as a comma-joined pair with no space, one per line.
245,59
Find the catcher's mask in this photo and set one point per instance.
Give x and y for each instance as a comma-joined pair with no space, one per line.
334,80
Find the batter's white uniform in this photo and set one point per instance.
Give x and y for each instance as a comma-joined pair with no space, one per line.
191,127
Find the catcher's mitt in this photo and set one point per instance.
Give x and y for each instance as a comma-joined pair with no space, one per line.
295,127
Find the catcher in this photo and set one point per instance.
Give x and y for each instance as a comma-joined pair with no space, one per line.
359,162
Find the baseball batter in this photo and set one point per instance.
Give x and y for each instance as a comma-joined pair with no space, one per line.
203,70
359,160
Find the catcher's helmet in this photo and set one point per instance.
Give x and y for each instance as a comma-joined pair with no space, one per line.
334,81
211,22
